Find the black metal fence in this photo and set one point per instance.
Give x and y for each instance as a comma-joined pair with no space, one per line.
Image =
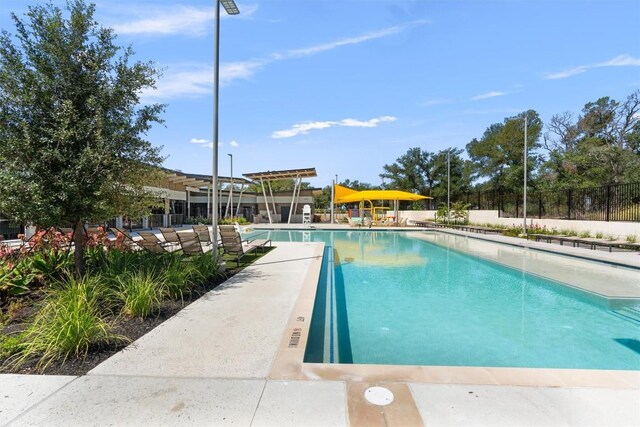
619,202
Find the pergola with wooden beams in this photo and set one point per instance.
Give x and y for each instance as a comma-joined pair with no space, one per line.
189,182
268,176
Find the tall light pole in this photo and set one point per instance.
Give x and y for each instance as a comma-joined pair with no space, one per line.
524,204
231,8
334,220
231,190
448,185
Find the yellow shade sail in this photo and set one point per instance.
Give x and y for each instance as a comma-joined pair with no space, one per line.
340,191
359,196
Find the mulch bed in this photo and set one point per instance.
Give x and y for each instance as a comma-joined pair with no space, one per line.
133,328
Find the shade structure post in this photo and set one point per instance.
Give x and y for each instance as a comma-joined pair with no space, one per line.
242,187
266,201
332,215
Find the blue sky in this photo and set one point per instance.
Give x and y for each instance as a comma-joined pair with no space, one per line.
348,86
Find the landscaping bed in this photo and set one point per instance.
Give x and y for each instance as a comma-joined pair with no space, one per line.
130,327
54,322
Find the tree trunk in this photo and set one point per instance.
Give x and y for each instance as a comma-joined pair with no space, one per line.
79,238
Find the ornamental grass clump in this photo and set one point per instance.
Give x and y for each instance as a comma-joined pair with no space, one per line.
175,280
203,269
69,323
140,294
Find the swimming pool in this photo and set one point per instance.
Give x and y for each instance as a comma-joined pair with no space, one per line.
389,298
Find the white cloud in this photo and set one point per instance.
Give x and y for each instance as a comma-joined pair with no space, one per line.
171,20
367,124
436,101
192,80
234,143
618,61
199,141
305,128
238,70
312,50
245,70
182,80
301,128
186,20
487,95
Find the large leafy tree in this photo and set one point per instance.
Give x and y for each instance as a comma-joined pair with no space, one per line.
601,146
411,172
71,125
460,173
499,154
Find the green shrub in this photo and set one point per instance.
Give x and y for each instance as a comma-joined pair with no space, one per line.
568,232
204,268
599,235
140,293
175,280
9,345
631,238
233,220
68,323
584,234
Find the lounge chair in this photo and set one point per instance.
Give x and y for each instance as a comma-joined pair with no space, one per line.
204,235
233,245
128,238
151,243
191,244
170,236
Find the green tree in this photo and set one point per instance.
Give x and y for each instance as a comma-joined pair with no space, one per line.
498,155
71,128
357,185
411,172
601,147
322,199
460,174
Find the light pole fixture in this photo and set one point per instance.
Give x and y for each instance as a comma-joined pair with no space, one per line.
524,204
231,189
231,8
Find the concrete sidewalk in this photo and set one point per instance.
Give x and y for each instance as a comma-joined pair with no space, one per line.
210,365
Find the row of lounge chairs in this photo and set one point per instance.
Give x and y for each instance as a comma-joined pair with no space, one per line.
592,243
189,242
367,222
197,241
470,228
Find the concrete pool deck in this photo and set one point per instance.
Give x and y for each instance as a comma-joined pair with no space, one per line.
224,360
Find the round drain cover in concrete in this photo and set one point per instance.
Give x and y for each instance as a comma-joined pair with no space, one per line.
378,396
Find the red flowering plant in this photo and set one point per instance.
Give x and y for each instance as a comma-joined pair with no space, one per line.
101,239
96,239
46,239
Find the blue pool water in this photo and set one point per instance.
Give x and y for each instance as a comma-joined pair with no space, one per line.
385,298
